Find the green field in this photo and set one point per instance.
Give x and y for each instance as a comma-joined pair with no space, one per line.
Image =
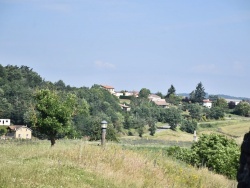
234,128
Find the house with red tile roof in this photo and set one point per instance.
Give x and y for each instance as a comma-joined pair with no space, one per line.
207,103
109,88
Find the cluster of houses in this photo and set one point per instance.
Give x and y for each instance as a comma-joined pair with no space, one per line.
23,132
15,131
152,97
155,98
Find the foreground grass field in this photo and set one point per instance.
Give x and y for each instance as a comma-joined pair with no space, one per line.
83,164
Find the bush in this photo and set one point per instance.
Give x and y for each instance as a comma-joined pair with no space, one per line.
216,113
189,126
3,131
218,153
182,154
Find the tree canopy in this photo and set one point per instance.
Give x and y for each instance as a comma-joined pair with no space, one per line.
171,91
144,93
242,109
198,95
77,112
54,113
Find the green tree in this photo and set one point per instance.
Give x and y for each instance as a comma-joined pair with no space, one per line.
60,85
144,93
5,108
128,122
195,111
217,153
54,113
118,120
198,95
171,91
152,125
216,113
173,99
173,117
3,130
160,94
192,96
213,98
242,109
139,125
221,103
93,129
188,126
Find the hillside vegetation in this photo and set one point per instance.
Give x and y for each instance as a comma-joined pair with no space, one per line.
57,111
75,163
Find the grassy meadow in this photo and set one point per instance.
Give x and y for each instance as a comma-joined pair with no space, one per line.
234,127
77,163
134,162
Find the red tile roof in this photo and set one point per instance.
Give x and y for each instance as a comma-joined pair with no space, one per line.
107,87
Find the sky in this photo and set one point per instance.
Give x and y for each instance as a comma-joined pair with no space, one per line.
131,44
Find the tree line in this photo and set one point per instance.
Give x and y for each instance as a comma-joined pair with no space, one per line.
56,110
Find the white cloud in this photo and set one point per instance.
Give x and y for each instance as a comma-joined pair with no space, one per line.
104,65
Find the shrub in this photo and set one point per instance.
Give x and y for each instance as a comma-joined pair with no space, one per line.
218,153
189,126
3,131
216,113
182,154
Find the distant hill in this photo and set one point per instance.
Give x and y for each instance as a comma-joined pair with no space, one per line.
220,95
232,97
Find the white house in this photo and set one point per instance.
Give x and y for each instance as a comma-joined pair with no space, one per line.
118,93
19,131
154,97
162,103
109,88
207,103
5,122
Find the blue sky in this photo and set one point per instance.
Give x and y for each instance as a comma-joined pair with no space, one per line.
131,44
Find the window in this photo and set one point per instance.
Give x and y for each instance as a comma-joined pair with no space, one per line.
19,135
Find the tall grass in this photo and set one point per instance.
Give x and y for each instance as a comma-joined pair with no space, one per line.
81,164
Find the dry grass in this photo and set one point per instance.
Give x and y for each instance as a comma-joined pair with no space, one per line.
81,164
171,135
238,130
